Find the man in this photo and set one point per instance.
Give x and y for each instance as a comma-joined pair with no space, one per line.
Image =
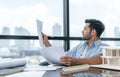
89,52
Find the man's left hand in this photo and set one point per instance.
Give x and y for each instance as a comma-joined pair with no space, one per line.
69,61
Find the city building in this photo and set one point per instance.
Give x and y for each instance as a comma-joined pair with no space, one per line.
22,44
117,34
56,31
5,42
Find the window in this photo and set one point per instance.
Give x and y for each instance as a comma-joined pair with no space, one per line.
19,17
105,10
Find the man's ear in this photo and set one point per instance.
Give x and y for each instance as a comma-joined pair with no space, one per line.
94,32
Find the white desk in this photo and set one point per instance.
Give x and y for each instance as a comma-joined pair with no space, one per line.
91,72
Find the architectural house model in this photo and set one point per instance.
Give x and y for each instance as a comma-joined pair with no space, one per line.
111,55
111,58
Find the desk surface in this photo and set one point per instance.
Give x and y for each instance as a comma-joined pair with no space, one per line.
91,72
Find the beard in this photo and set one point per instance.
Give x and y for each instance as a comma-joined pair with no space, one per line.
86,38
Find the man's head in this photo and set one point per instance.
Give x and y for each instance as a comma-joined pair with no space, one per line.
92,28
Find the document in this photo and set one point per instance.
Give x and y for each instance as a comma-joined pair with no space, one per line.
53,54
39,30
41,68
9,63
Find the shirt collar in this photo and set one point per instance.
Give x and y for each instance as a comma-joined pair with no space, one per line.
96,43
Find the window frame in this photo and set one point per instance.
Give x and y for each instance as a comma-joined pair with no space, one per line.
66,37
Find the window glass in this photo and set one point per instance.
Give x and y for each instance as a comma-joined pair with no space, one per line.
23,48
19,17
105,10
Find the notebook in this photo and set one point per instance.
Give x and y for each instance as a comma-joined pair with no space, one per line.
76,68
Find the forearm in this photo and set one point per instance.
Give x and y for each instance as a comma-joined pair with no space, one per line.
92,60
45,40
47,44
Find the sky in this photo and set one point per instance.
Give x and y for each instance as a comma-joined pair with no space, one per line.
105,10
25,12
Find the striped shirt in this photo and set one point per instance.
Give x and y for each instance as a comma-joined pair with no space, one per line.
94,49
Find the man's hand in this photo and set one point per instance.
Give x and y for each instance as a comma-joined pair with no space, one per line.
69,61
45,40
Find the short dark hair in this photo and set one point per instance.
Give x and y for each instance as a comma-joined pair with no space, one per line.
97,25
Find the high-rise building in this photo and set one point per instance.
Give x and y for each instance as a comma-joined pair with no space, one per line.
5,42
22,44
57,32
117,35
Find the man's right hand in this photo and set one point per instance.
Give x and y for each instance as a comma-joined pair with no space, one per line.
45,40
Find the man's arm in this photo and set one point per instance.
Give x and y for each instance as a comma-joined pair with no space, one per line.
92,60
45,40
69,61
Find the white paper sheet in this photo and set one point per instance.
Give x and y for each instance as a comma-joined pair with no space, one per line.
39,30
41,68
53,54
